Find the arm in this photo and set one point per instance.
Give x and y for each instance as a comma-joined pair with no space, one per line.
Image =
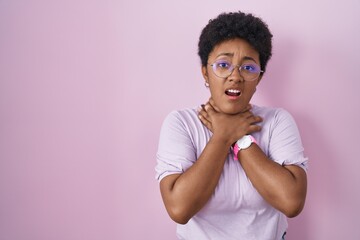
283,187
185,194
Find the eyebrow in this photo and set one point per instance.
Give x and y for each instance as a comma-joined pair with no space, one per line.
231,55
225,54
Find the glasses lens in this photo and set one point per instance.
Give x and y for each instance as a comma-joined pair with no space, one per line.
222,68
250,71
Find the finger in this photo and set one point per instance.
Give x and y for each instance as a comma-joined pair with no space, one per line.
208,107
212,103
204,114
247,115
255,119
247,108
203,107
253,128
205,122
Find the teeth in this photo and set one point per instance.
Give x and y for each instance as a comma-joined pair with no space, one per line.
233,91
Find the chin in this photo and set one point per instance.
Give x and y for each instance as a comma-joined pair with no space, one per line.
230,107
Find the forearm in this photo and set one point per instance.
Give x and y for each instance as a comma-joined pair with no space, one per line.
282,187
190,191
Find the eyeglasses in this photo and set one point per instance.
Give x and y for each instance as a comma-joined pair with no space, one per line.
248,71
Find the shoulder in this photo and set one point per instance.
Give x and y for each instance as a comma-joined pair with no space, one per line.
276,121
184,115
185,118
275,111
273,114
279,124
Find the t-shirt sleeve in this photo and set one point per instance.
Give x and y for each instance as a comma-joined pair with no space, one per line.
176,152
285,146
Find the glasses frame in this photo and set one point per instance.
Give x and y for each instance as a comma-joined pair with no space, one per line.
238,66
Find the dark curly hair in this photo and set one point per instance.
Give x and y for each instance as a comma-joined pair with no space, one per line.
236,25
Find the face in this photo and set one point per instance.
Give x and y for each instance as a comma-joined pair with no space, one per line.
232,94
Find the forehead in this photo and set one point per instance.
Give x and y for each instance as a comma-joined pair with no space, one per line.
237,48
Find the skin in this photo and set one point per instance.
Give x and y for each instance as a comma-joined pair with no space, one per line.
283,187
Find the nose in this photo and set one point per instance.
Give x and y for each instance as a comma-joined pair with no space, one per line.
235,75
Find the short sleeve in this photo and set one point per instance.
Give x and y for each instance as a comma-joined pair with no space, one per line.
176,152
285,146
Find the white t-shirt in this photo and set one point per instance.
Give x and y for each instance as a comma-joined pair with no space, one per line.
236,210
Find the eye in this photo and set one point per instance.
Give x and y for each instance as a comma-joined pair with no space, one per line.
253,68
222,65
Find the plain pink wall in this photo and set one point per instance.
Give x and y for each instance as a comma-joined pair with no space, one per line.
85,86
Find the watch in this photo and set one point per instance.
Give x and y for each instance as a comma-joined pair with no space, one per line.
243,143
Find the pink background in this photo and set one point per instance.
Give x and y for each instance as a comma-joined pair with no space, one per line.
85,86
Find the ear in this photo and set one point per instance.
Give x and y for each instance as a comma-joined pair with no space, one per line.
205,73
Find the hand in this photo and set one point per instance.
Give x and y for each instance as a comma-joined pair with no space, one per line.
228,127
210,106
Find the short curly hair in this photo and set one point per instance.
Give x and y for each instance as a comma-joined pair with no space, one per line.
236,25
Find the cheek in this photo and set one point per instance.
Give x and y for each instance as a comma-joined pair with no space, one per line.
252,89
216,91
248,93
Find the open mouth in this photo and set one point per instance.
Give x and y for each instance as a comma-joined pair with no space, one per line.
233,92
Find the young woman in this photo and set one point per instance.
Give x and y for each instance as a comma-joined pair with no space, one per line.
231,170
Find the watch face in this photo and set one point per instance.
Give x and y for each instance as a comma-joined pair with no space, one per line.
247,141
244,142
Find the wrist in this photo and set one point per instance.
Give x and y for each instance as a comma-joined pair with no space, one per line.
242,144
221,140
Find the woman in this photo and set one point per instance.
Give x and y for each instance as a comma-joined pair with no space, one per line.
231,170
